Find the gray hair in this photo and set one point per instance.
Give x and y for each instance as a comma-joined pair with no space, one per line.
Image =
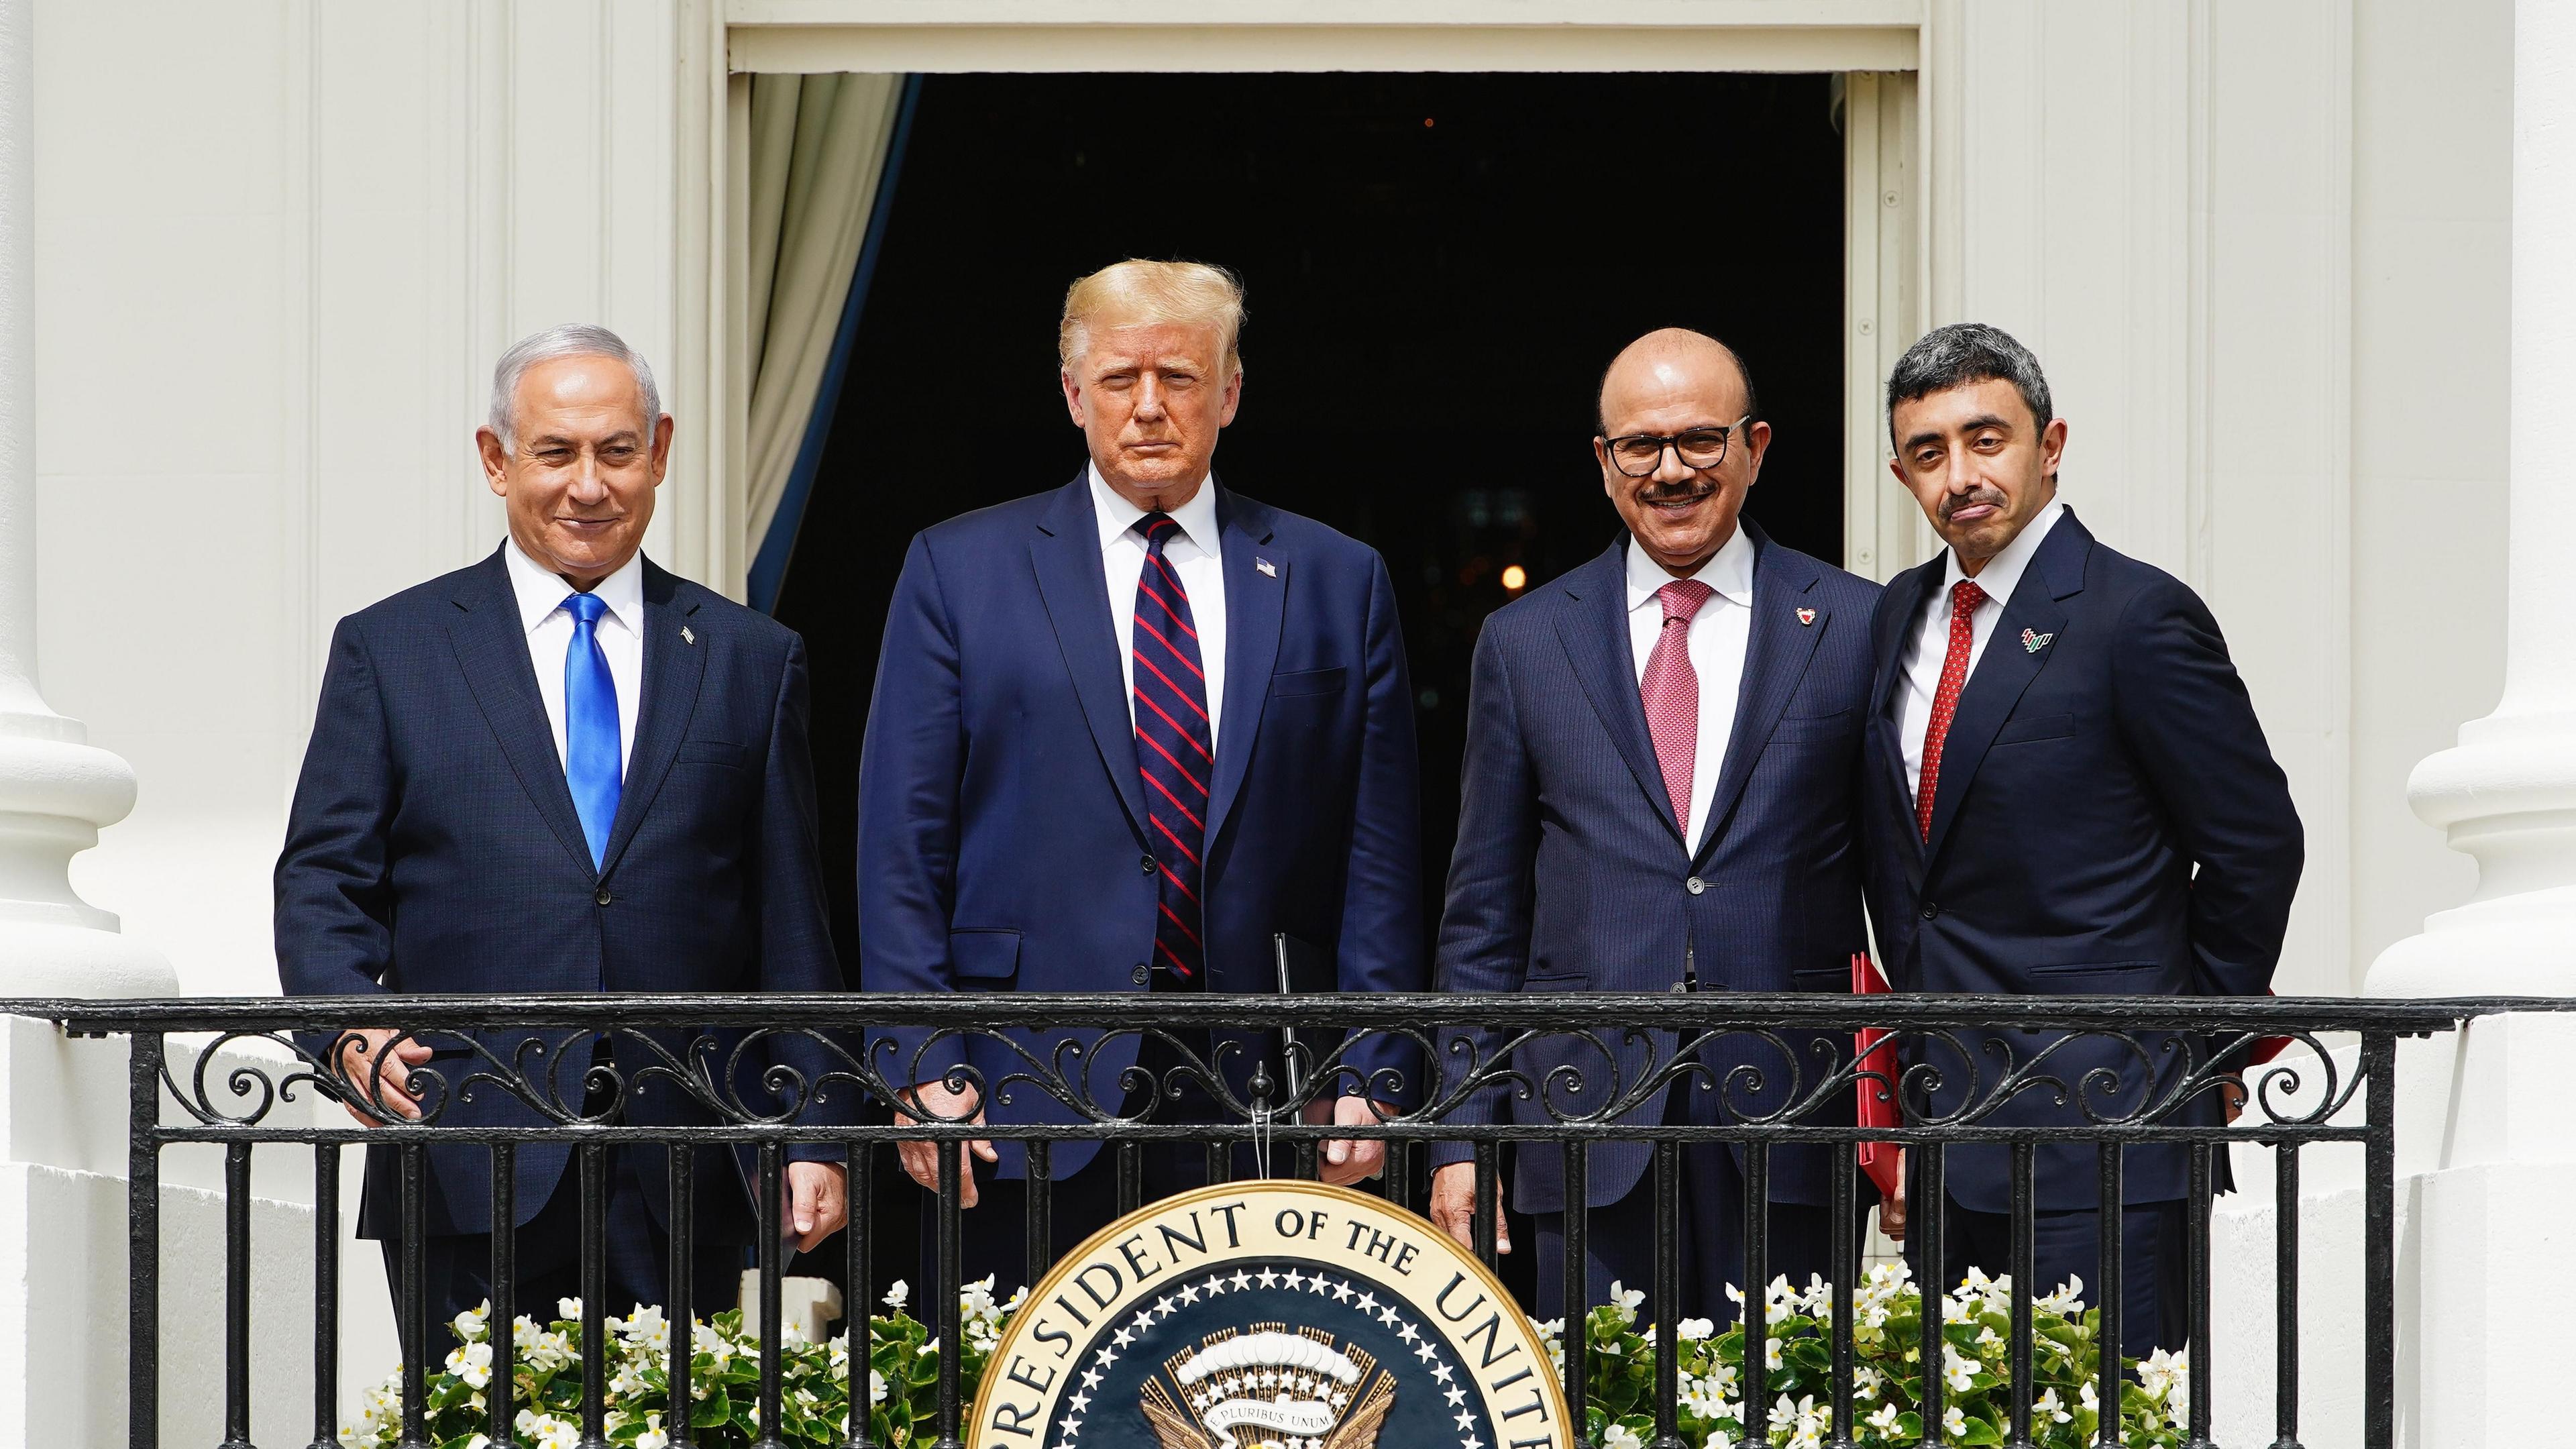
1962,353
569,339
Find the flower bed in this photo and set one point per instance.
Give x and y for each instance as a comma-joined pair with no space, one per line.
903,1375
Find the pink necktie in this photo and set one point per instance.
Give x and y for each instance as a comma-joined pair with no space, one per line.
1670,692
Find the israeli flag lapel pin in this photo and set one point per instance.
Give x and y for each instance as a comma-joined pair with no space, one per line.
686,637
2032,641
1266,566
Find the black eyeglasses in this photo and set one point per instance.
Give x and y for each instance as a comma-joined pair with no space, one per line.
1639,454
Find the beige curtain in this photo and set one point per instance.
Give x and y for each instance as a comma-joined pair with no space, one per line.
818,145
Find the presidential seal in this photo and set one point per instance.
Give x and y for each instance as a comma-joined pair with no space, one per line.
1270,1315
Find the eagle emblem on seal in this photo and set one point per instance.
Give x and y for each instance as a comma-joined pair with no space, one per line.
1269,1387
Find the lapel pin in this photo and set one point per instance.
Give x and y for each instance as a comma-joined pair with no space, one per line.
2032,641
1266,566
1806,616
688,638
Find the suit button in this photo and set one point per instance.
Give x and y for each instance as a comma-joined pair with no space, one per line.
1146,865
1931,910
603,896
1694,885
1140,975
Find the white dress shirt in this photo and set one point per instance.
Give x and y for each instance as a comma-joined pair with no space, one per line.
549,624
1719,634
1923,658
1194,554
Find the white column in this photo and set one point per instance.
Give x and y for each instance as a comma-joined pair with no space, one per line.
56,790
2506,794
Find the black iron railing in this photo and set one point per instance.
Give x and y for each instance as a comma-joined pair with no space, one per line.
1785,1073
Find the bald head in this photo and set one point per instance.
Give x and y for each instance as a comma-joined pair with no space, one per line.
1675,359
1687,394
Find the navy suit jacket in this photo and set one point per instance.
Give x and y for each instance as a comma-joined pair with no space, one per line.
2108,821
433,847
1571,874
1002,815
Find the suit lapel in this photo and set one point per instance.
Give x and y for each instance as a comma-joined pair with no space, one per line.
1065,552
1256,606
1886,719
492,650
1594,630
1775,658
673,666
2006,669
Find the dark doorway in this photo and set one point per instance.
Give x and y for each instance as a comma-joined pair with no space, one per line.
1437,269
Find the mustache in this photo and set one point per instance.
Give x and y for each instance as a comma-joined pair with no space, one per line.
1676,492
1983,496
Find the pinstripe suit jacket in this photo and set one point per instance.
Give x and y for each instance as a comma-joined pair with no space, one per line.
1571,875
433,845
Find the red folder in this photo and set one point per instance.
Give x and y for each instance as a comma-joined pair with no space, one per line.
1877,1099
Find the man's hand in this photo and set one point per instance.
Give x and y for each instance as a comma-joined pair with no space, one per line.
921,1159
2233,1094
1891,1210
1453,1206
1346,1160
818,1203
356,1054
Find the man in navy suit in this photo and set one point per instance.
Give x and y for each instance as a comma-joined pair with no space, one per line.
2068,794
1663,752
1124,733
562,769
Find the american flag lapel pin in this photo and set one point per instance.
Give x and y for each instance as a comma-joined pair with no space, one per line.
2032,641
686,637
1806,616
1266,566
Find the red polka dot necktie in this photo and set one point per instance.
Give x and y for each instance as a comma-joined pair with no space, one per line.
1965,596
1172,732
1670,692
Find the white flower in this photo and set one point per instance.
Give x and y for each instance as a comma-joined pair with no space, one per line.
1719,1439
2162,1373
1884,1421
469,1324
1627,1300
1692,1330
653,1439
2091,1399
1957,1369
2048,1406
1865,1381
568,1308
876,1388
898,1295
472,1362
977,1297
2068,1300
1954,1425
1620,1436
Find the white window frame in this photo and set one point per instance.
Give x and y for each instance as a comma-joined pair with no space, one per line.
1876,47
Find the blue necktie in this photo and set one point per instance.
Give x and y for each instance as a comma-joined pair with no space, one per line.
590,727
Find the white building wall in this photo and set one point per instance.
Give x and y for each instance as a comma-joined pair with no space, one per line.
279,244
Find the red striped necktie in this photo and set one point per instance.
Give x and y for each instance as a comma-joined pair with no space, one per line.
1172,750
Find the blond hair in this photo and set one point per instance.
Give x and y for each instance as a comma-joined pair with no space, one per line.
1136,291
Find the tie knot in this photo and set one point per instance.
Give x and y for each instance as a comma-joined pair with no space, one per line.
1965,596
1682,598
586,607
1157,526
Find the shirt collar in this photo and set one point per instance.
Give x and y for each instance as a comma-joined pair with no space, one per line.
1116,515
541,591
1729,571
2002,573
